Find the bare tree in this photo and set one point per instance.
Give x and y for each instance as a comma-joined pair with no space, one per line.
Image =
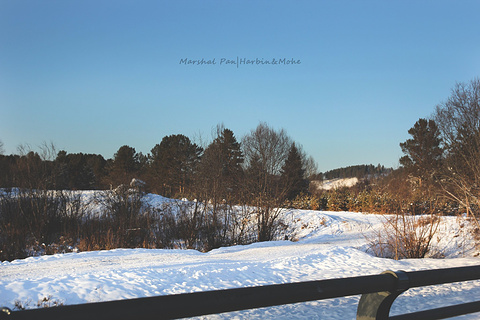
265,151
33,169
459,122
270,146
268,149
310,166
460,112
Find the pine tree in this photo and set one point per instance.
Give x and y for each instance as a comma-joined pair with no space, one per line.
423,153
255,176
231,159
73,172
221,166
292,175
125,165
172,164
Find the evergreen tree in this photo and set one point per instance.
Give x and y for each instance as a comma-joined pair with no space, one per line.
125,165
254,176
78,171
423,153
358,171
172,164
292,175
231,156
221,169
98,165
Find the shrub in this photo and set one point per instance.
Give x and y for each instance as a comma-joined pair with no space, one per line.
46,302
126,221
34,222
303,201
405,236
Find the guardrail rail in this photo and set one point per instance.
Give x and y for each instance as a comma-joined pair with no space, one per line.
378,294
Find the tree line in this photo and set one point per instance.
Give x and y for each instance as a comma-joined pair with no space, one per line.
439,172
357,171
265,161
238,188
258,174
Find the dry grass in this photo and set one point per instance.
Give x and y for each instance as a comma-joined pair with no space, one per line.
405,236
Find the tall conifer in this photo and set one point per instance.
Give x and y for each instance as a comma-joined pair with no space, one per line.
292,174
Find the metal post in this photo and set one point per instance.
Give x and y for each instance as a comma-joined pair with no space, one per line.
376,306
4,313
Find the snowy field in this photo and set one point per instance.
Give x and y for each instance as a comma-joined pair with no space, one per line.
329,245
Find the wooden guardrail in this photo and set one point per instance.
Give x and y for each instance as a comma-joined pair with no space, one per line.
378,294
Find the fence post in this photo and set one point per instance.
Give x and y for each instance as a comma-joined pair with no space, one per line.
376,306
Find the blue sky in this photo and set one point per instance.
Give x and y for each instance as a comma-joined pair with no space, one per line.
91,76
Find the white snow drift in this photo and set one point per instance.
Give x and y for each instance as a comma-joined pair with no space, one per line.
329,245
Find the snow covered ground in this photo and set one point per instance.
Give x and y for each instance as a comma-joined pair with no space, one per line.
336,183
328,245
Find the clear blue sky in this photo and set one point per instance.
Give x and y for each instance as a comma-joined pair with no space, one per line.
91,76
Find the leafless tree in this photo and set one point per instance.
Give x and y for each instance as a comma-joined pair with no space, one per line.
269,145
33,169
458,119
265,151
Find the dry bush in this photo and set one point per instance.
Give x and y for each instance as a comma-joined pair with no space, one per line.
205,226
46,302
36,222
405,236
126,222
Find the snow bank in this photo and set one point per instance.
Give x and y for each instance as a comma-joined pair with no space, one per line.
326,245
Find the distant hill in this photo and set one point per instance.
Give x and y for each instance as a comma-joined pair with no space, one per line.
349,176
358,171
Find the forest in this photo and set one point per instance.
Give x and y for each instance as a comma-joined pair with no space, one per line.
439,174
357,171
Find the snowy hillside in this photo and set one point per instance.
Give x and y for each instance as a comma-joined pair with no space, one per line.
326,245
336,183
